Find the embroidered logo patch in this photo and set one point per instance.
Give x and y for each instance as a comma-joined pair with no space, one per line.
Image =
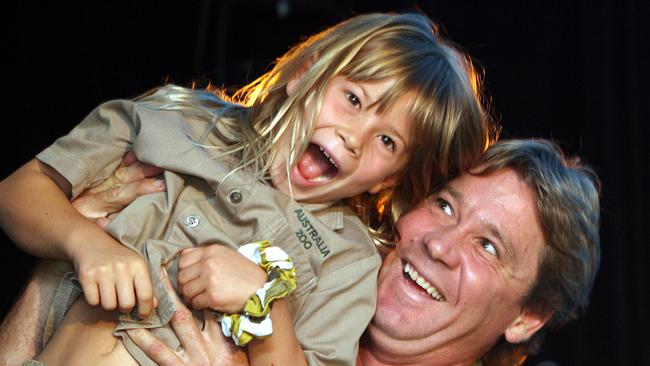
308,235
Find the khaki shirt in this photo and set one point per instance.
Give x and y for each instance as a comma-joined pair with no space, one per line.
336,262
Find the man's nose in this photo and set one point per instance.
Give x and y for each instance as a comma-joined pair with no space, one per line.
444,246
351,137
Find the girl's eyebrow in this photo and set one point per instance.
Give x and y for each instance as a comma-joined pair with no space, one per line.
365,93
394,131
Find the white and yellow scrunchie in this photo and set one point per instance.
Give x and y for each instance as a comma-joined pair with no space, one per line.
255,321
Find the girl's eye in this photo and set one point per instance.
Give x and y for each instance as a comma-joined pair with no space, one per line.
445,206
353,99
388,142
489,247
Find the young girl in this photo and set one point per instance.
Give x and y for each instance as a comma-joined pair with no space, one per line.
376,104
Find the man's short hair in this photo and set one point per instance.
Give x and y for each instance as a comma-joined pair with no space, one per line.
567,195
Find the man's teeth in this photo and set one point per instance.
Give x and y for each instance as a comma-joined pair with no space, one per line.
329,157
423,283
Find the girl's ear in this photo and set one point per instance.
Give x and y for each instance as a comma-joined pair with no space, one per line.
295,79
524,327
389,182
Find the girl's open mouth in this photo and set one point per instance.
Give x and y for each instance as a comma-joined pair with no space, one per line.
316,165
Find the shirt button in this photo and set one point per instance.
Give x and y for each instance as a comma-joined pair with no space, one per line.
235,196
192,221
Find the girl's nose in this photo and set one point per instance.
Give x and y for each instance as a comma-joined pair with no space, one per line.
349,139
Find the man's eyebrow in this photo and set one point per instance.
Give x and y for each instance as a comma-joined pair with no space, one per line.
494,229
506,244
458,196
454,193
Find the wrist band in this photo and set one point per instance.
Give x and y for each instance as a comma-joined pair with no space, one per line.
255,321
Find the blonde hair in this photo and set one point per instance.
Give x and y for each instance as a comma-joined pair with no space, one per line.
449,126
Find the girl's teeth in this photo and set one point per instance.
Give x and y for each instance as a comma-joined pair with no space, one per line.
413,274
328,156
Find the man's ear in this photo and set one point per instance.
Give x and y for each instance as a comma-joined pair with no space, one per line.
524,326
295,79
389,182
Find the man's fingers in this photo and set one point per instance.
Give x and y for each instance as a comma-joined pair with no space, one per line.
153,347
92,207
135,172
228,352
104,221
128,174
188,333
99,204
128,159
186,329
101,201
122,195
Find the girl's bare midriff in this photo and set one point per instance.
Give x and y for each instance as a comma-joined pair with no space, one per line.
85,337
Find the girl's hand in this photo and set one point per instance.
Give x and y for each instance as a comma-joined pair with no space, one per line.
200,347
111,274
218,278
114,276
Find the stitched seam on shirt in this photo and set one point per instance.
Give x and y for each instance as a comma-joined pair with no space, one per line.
357,263
364,230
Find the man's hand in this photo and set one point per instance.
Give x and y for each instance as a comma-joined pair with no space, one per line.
218,278
131,180
200,347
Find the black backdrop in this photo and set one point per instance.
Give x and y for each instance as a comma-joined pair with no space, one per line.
574,71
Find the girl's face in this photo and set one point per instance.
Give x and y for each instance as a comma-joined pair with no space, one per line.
354,149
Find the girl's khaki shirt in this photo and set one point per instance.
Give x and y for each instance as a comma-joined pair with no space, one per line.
336,262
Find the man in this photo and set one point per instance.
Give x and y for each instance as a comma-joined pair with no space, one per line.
488,261
480,270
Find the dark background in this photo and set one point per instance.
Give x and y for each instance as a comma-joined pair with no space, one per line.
573,71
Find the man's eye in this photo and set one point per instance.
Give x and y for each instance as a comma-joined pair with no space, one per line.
388,142
489,247
353,99
445,206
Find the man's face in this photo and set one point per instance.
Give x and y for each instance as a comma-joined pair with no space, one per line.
456,280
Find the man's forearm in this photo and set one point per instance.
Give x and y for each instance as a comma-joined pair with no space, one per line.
21,332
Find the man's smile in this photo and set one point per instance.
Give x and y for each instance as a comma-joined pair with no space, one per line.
411,274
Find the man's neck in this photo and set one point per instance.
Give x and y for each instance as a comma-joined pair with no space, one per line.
366,358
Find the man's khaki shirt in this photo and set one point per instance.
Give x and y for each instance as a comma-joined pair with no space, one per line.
336,262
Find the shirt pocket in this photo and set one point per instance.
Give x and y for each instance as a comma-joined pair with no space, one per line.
279,234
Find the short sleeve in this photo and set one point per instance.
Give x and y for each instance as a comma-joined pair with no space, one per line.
94,148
